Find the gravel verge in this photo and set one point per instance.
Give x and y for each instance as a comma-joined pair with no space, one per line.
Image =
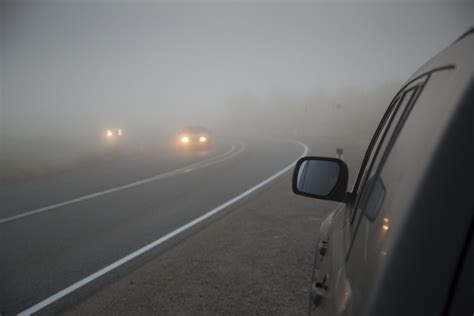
254,260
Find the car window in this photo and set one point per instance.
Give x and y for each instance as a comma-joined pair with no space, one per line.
398,109
372,149
372,191
372,152
407,99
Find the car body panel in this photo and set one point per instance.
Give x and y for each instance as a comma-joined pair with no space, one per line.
399,254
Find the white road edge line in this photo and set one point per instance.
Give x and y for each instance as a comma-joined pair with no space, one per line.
53,298
185,169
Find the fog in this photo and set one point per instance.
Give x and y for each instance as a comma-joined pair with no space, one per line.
70,70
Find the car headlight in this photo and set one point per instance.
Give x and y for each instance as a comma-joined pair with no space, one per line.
109,133
202,139
185,139
119,132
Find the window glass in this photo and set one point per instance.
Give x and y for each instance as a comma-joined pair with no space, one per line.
318,176
374,191
373,149
403,109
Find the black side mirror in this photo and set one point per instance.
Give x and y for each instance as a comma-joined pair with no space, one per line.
321,178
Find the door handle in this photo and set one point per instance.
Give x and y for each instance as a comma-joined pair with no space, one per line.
322,247
318,291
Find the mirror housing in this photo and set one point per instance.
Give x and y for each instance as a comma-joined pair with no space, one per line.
321,178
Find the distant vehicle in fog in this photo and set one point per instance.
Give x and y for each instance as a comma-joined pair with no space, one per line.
194,137
113,133
113,138
402,240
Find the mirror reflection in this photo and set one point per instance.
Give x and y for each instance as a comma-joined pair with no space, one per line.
318,177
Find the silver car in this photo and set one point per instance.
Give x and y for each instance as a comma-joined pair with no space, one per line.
401,241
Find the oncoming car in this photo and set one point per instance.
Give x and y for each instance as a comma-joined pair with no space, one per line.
401,242
112,138
113,135
194,137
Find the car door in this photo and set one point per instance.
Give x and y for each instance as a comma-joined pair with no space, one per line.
330,290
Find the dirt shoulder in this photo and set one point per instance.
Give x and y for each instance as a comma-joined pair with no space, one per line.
254,260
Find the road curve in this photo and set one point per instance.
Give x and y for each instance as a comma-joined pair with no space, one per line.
48,251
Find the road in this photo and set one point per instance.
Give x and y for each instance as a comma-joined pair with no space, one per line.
62,229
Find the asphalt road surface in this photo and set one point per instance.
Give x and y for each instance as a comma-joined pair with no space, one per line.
61,229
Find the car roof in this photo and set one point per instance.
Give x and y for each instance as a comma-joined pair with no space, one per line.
452,55
470,31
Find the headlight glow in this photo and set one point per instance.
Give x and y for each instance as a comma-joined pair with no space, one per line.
202,139
109,133
119,132
185,139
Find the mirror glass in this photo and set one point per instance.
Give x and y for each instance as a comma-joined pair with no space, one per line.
318,177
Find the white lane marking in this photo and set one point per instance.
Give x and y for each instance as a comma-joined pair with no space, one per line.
200,164
53,298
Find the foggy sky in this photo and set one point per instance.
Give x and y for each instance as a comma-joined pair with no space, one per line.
76,64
